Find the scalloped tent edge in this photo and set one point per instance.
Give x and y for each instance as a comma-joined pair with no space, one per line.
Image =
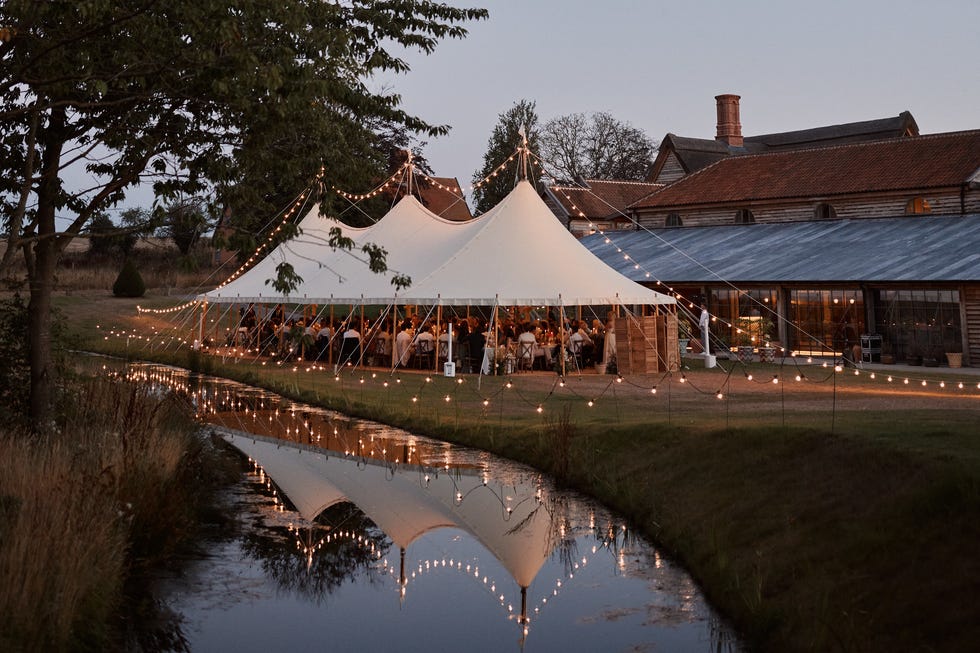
516,254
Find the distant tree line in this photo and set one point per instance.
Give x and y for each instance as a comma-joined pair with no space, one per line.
573,147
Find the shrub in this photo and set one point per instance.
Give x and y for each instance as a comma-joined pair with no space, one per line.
129,283
14,373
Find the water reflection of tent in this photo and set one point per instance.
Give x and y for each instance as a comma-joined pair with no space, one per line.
405,502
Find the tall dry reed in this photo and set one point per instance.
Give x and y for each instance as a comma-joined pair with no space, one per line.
78,509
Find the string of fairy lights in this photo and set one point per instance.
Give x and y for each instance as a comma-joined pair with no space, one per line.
211,403
606,536
786,358
252,259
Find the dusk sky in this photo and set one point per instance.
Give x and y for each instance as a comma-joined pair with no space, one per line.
658,65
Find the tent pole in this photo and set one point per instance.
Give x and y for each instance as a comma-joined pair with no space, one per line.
204,314
394,327
360,358
435,363
561,334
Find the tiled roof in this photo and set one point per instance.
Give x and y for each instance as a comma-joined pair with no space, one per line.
907,249
852,132
441,195
602,198
447,204
696,153
920,162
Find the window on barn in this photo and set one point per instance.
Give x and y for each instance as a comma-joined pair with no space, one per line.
674,220
744,216
824,211
917,206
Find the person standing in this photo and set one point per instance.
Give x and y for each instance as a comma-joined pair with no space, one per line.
403,345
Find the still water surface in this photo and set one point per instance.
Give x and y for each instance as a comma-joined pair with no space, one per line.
350,535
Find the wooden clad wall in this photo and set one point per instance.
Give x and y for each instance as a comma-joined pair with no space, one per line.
864,206
970,297
647,344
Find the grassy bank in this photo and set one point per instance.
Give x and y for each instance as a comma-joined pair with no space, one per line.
834,513
83,510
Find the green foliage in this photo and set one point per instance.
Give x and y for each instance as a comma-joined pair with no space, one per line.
15,372
504,141
183,222
286,280
129,283
243,101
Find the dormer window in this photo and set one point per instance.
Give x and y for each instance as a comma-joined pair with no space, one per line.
744,216
824,211
674,220
917,206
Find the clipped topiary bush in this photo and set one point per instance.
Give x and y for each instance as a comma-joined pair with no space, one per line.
129,283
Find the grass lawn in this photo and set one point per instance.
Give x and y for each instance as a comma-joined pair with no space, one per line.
837,512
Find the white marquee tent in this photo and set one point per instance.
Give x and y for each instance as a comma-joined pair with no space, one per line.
516,254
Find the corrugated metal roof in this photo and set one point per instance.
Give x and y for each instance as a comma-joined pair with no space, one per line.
909,249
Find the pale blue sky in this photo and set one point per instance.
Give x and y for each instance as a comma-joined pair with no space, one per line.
658,65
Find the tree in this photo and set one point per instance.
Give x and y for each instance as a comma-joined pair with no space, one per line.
107,239
129,283
241,100
183,222
136,223
103,235
504,141
596,146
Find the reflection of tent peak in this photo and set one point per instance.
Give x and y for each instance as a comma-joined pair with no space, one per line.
512,526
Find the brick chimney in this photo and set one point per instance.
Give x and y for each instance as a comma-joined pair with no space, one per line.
729,127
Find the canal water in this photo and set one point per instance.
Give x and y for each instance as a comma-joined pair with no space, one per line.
348,535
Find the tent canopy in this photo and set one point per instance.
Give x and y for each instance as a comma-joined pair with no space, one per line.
515,254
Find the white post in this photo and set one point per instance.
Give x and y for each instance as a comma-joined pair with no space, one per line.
704,322
449,367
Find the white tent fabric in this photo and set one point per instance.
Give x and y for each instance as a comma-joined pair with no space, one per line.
517,253
405,507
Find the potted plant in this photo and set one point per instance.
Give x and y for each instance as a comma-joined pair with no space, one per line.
887,357
953,343
744,339
913,355
767,351
954,354
684,333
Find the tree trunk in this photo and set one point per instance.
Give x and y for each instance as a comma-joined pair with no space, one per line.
41,256
39,326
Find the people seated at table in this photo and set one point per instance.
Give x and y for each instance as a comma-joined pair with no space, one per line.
527,348
323,337
580,344
444,342
381,343
477,341
403,344
350,347
425,346
588,345
278,316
